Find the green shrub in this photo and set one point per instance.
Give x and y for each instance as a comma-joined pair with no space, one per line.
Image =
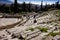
23,13
42,29
32,29
58,12
59,19
54,34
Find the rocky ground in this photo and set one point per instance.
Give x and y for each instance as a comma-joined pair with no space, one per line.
35,26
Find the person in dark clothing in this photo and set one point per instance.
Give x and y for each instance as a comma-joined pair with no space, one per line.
35,21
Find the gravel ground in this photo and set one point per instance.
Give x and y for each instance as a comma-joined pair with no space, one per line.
41,21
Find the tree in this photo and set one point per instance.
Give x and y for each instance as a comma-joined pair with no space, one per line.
3,8
11,8
15,6
41,5
29,7
36,8
46,8
57,4
24,7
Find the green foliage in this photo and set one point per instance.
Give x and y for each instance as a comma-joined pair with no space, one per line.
54,34
59,19
58,12
23,13
16,8
32,29
42,29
